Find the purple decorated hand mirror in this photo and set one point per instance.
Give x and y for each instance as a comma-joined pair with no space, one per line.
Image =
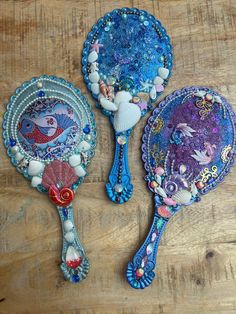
127,62
50,136
188,147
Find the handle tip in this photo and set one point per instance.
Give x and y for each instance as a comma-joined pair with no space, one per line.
77,274
138,278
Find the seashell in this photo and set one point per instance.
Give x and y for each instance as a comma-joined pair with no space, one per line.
163,73
159,170
163,211
92,57
80,172
14,149
75,160
73,258
95,88
19,156
35,167
84,146
194,189
159,88
68,225
200,93
122,96
158,80
126,117
182,197
36,181
182,169
160,191
62,197
158,178
153,93
58,173
218,99
154,236
107,104
168,201
69,236
94,77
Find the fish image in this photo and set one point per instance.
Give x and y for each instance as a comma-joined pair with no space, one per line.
206,156
182,130
45,129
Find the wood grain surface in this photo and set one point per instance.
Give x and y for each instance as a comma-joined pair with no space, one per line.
197,255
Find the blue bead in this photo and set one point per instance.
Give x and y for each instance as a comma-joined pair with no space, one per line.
65,212
41,93
75,278
86,130
12,142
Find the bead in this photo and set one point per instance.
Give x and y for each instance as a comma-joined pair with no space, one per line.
94,77
65,211
14,149
118,188
159,88
79,171
209,97
36,181
86,129
163,72
158,80
139,272
159,171
84,146
121,140
200,185
39,84
154,184
12,142
41,93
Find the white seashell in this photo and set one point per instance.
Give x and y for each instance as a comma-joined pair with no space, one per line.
35,167
218,99
94,77
75,160
200,93
163,72
160,191
153,93
36,181
182,169
107,104
79,171
126,117
14,149
69,236
84,146
182,197
122,96
68,225
157,177
92,57
158,80
95,88
19,156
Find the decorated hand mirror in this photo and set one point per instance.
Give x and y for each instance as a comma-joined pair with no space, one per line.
50,136
127,61
188,147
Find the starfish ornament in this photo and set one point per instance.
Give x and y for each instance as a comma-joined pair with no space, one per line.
146,86
96,46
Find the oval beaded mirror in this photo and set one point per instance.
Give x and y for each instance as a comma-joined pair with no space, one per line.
188,147
50,136
127,62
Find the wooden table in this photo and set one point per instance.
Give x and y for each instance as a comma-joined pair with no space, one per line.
197,256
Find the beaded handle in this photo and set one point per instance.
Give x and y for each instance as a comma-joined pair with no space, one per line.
75,264
119,188
140,272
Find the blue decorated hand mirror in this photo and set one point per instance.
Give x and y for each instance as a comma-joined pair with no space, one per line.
127,62
50,136
188,148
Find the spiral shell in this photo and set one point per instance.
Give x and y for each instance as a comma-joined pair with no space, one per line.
61,197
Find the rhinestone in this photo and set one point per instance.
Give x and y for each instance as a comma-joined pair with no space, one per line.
118,188
121,140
